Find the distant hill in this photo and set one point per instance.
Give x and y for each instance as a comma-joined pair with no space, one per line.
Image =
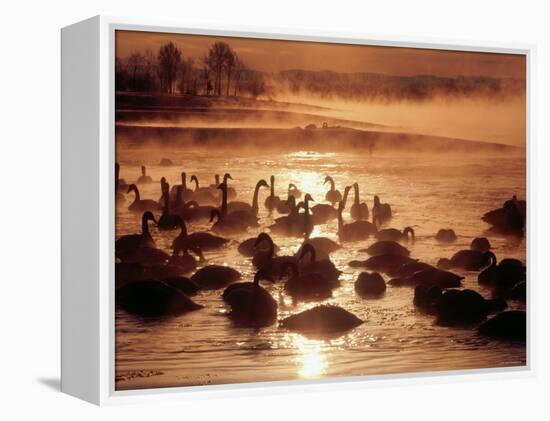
385,87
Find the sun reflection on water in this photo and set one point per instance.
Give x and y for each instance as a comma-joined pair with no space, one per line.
311,358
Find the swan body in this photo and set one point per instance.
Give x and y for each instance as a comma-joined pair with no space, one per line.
472,260
381,211
268,261
355,231
358,210
144,178
139,205
153,298
248,247
370,284
393,234
168,220
386,247
504,275
130,242
306,286
251,305
325,266
383,263
181,189
226,226
243,206
322,213
445,236
215,277
323,247
510,325
333,196
203,195
509,219
183,284
409,269
429,277
201,240
322,320
480,244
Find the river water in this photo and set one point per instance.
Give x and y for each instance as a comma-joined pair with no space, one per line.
427,193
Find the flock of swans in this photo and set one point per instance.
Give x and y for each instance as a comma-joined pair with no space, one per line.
151,282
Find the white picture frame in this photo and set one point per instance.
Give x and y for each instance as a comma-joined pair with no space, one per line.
88,212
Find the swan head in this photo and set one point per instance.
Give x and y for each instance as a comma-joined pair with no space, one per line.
194,178
143,170
376,200
227,176
307,248
262,183
328,179
148,216
308,197
263,237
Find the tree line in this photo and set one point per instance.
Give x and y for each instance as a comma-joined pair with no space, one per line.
219,72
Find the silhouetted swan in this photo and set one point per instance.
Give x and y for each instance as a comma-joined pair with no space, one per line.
322,320
358,210
295,224
168,220
238,216
147,256
203,195
429,277
355,231
408,269
238,205
323,247
186,194
139,205
472,260
285,207
248,247
480,244
185,262
386,263
215,277
202,240
268,260
510,325
272,201
294,191
509,219
119,197
445,235
224,226
381,211
166,162
322,213
386,247
132,241
251,305
153,298
333,196
216,183
393,234
370,285
504,275
183,284
324,266
191,210
455,307
144,178
306,286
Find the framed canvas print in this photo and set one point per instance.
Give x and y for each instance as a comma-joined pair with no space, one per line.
244,209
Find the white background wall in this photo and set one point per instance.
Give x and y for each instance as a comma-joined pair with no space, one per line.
29,234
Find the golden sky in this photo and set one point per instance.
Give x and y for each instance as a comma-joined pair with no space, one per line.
275,55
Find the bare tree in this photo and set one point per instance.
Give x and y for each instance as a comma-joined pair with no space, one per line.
169,59
206,69
239,69
217,57
229,63
136,62
185,73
